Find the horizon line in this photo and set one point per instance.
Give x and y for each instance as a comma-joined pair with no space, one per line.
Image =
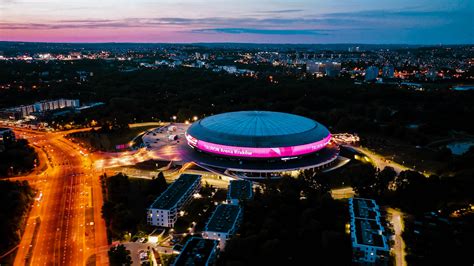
254,43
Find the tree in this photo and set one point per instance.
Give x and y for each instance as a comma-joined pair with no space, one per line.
119,256
383,179
158,184
16,198
363,179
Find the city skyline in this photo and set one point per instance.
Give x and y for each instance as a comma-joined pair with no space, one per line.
269,21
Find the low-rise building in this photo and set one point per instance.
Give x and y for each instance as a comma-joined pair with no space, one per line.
44,106
369,244
223,223
239,190
165,209
198,252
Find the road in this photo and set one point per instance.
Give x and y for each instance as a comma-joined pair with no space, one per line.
65,226
396,219
380,161
136,247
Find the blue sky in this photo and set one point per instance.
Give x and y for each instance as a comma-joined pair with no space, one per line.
261,21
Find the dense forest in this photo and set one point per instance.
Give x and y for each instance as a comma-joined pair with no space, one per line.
18,158
145,95
16,198
293,222
124,209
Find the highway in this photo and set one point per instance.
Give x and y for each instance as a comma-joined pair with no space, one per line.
65,226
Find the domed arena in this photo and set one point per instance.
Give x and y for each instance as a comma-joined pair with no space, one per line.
260,143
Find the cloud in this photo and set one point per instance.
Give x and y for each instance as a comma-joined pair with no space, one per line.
398,14
212,22
317,24
263,31
283,11
54,26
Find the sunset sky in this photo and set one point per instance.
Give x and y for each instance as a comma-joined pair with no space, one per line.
256,21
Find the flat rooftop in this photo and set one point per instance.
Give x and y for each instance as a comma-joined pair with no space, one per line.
365,228
196,252
175,192
223,218
364,208
240,189
368,232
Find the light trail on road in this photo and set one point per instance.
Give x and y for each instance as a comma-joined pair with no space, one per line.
70,230
396,219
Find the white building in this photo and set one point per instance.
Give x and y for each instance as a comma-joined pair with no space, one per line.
165,210
369,244
312,67
328,68
223,223
43,106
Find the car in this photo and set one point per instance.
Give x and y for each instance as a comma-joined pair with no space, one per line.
143,255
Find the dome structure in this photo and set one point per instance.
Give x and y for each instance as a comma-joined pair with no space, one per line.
258,134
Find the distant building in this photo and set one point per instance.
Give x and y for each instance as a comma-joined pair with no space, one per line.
223,223
7,137
432,74
239,190
327,68
312,67
332,69
230,69
198,252
354,49
44,106
10,114
371,73
369,244
388,71
164,211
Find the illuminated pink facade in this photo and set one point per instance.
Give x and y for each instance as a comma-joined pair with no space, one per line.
252,152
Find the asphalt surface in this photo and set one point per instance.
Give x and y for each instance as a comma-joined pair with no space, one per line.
65,226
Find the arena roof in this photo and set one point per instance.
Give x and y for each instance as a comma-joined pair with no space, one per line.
258,129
